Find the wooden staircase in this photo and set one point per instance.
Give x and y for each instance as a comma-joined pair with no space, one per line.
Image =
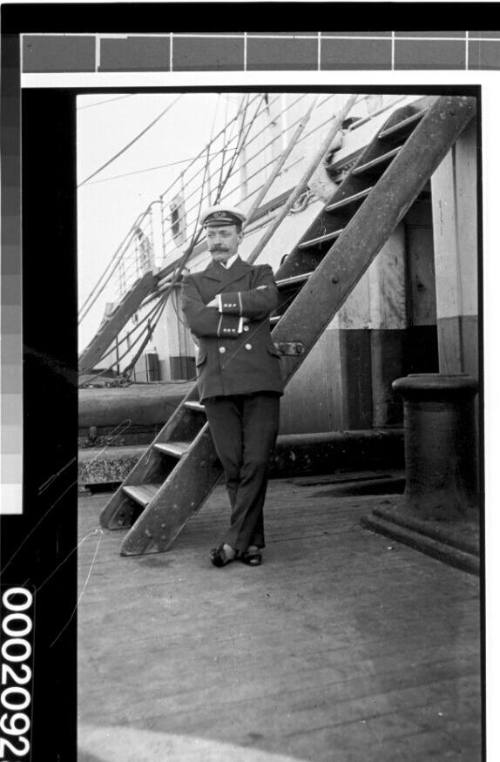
116,321
178,471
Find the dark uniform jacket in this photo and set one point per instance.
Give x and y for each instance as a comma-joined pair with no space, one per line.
230,362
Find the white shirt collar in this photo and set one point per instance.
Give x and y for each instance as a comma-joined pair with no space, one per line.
227,264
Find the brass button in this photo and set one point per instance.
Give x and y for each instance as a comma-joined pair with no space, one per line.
248,346
222,350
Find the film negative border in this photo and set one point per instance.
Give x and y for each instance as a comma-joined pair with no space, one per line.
11,324
297,51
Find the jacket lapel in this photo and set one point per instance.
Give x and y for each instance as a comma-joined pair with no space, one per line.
224,277
238,270
214,271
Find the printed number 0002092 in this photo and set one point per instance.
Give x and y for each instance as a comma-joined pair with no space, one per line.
15,694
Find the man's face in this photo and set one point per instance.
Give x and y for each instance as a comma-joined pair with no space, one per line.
223,241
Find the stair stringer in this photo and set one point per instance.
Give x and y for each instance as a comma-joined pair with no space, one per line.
327,289
369,229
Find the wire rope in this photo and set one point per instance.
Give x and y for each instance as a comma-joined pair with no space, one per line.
101,103
112,265
131,142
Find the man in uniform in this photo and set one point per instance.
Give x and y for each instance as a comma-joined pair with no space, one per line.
227,308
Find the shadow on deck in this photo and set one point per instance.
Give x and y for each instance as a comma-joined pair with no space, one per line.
343,646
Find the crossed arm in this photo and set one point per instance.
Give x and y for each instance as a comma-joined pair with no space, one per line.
255,303
225,315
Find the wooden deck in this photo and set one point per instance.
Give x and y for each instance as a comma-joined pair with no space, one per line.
343,646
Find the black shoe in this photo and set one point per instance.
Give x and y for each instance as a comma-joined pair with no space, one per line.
251,558
219,558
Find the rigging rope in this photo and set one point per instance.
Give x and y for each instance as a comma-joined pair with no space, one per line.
101,103
120,251
141,171
131,143
242,137
112,265
166,295
120,357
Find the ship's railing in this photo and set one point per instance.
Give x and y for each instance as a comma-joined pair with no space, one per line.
134,256
231,168
267,130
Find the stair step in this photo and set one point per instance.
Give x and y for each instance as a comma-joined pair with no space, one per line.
142,493
191,481
294,280
196,406
320,239
375,162
348,200
389,131
177,449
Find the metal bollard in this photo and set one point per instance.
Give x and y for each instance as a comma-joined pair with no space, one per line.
440,445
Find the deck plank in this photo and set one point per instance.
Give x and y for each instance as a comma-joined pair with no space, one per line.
342,640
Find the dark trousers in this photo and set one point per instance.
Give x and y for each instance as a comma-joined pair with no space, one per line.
244,430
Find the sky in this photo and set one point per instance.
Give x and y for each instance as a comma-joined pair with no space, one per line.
131,147
109,201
